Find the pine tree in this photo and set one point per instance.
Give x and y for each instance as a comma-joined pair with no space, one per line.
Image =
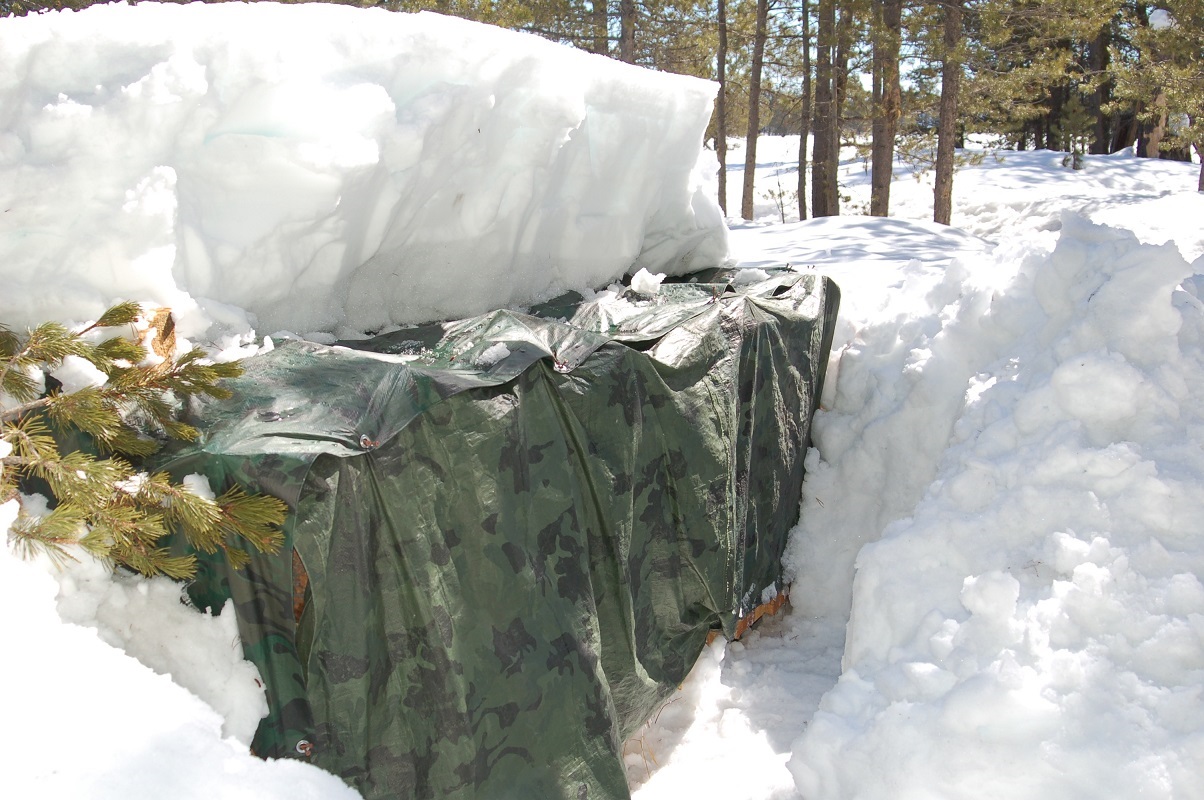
1165,81
82,444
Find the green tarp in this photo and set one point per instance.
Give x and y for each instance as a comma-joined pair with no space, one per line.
517,529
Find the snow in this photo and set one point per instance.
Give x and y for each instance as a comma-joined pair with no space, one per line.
75,373
998,578
316,165
199,485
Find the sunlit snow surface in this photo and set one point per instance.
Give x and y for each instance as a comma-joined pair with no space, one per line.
998,570
327,167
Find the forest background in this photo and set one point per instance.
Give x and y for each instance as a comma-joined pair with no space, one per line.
902,81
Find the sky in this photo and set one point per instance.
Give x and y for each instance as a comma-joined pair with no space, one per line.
997,573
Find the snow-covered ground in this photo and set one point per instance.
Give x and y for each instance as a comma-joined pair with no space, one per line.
998,567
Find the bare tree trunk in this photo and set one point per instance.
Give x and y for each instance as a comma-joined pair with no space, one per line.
601,25
887,101
754,110
627,11
951,69
1200,153
721,104
840,83
823,179
1097,54
1153,145
805,127
1053,139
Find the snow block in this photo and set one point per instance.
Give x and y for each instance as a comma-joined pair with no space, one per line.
326,166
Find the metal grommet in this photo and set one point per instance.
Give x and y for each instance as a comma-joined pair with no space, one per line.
305,748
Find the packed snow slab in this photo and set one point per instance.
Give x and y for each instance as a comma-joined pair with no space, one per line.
325,166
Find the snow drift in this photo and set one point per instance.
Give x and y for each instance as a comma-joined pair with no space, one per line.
1031,623
320,166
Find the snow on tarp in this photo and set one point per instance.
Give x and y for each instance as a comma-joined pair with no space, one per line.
323,166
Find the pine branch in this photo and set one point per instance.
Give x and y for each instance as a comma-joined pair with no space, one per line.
121,314
52,534
10,343
101,505
19,411
255,518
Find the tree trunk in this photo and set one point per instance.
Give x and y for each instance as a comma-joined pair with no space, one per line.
721,104
886,105
627,11
840,82
1200,153
805,127
1153,143
1097,54
1052,126
754,108
951,69
1124,133
823,178
601,25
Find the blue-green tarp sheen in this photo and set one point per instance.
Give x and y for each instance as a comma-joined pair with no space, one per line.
510,536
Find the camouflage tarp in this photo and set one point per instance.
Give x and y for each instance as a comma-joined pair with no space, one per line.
518,529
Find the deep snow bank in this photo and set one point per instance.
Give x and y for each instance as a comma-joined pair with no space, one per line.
1031,624
324,166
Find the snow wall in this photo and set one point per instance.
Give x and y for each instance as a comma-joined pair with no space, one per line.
332,168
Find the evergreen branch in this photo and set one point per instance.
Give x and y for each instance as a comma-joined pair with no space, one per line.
193,374
155,561
129,532
51,535
24,408
102,506
116,353
121,314
88,411
16,383
237,557
255,518
198,518
30,438
118,349
51,342
10,343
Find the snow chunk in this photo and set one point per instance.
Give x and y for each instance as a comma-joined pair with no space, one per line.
645,282
1160,19
77,373
320,165
492,355
199,485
